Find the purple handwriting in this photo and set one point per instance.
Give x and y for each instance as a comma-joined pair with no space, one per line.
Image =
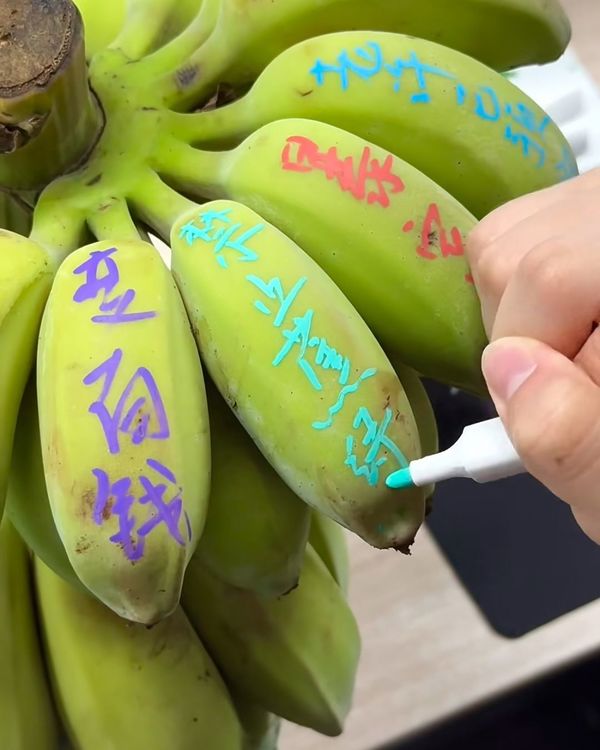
139,405
117,499
102,277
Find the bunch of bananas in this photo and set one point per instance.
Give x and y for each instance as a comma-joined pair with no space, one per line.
184,445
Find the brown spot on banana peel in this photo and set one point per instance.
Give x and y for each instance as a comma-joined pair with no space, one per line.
94,180
86,507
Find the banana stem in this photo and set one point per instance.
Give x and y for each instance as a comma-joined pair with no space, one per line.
158,205
112,221
212,127
49,118
195,172
144,23
58,231
178,50
15,214
193,82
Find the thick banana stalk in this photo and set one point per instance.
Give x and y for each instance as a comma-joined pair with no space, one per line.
296,655
27,505
121,685
464,125
27,720
124,426
387,235
25,280
256,528
501,33
49,118
328,539
299,368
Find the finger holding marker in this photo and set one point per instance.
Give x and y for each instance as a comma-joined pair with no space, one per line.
493,263
511,213
536,267
551,410
552,296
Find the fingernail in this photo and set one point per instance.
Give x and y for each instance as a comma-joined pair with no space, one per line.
506,366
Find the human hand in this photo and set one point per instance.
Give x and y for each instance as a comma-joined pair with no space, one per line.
536,266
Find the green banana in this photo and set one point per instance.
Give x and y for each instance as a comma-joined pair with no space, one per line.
27,505
124,426
296,655
464,125
25,280
256,528
328,539
261,728
388,236
27,720
105,21
248,35
122,685
422,409
300,369
102,21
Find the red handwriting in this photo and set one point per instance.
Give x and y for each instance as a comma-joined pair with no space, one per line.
370,180
434,234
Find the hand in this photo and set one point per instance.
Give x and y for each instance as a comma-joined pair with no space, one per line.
536,266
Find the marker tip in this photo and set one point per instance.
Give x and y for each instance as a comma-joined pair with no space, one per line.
400,480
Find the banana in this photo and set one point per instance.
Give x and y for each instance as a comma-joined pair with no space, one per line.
27,505
104,21
503,34
299,368
463,124
388,236
261,728
27,720
296,655
124,426
25,280
328,539
256,528
422,408
122,685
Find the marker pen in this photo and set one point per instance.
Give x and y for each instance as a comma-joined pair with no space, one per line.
483,453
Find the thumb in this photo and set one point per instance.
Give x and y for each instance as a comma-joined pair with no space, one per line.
551,410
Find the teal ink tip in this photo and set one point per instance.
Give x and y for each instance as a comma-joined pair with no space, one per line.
400,480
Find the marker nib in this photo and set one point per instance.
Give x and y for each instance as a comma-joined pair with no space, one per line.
400,480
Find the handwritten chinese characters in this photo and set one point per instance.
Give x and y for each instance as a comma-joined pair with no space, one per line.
317,358
302,155
522,126
101,277
368,180
135,413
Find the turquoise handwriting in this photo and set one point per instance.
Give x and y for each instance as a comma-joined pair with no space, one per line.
375,438
223,237
216,228
523,127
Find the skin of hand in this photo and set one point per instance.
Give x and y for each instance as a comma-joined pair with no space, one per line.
536,266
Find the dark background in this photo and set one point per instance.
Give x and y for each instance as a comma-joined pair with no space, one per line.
519,553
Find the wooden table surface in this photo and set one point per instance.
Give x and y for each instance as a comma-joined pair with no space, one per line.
427,652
